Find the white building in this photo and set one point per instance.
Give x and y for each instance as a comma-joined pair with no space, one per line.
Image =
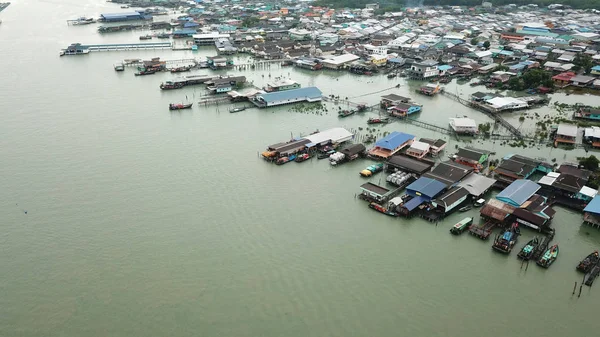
463,125
338,62
208,38
506,103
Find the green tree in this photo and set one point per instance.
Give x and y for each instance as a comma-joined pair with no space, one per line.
583,62
486,45
590,163
474,41
250,21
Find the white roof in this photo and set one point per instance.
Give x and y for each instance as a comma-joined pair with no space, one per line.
421,146
335,135
551,64
588,191
210,35
483,53
463,122
342,59
547,180
500,102
569,130
553,174
593,131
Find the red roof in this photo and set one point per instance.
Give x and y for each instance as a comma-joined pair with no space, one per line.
566,76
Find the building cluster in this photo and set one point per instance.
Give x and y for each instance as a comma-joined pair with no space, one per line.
433,42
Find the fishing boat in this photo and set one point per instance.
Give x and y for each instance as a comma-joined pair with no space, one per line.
282,161
474,84
589,262
323,155
170,85
392,75
445,80
181,69
461,226
180,106
119,66
234,110
378,120
302,157
146,37
504,243
163,36
382,209
361,107
527,251
145,72
82,21
346,113
479,202
549,257
466,208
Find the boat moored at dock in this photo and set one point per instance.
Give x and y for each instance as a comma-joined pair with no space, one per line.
302,157
372,169
504,243
378,120
461,226
549,257
382,209
145,72
180,106
588,263
527,251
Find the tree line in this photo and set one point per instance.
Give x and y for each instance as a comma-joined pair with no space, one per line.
395,5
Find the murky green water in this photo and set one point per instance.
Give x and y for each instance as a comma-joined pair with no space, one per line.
142,222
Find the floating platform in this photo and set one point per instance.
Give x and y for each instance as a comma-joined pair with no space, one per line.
482,231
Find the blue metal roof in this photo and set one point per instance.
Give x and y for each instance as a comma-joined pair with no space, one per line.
312,92
426,187
518,192
593,206
184,32
414,203
393,140
445,67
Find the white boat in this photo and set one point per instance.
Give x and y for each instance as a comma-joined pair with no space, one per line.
82,21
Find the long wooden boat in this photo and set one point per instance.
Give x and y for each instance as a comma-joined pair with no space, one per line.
181,69
527,251
346,113
589,262
302,157
378,120
466,208
461,226
382,209
180,106
549,257
145,72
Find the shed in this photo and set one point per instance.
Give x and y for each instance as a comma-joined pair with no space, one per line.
393,140
425,187
407,164
374,192
449,172
452,198
593,206
477,184
497,210
518,192
335,135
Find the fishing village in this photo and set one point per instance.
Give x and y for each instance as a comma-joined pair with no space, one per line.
510,60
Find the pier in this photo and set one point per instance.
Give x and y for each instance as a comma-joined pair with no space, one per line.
496,117
127,46
482,231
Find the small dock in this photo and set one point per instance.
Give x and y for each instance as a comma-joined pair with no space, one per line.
482,231
543,247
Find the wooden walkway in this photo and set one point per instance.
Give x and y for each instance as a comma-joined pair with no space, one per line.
494,116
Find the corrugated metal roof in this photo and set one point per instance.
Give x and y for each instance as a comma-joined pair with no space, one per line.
312,92
518,192
335,135
593,206
394,140
414,203
477,184
427,187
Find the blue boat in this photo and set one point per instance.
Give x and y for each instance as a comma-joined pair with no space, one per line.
507,240
527,251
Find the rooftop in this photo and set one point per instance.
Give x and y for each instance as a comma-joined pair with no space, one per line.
393,140
427,187
568,130
334,135
409,164
374,188
477,184
312,92
449,172
593,206
518,192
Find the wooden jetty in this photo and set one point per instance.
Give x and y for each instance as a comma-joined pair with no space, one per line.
543,247
427,126
139,62
495,116
127,46
482,231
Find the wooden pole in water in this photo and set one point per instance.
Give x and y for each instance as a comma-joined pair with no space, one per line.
522,263
574,287
527,265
